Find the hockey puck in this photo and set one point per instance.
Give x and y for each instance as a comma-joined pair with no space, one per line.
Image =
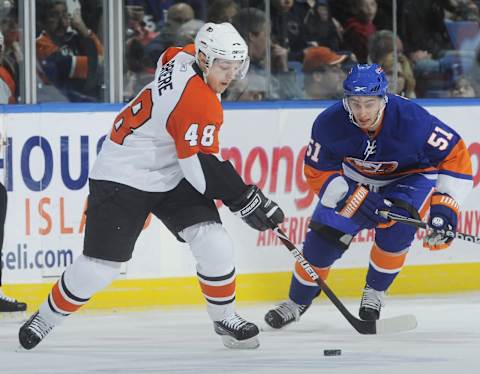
332,352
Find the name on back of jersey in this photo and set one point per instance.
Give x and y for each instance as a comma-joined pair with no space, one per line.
164,80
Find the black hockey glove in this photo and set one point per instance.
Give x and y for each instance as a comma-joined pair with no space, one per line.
256,210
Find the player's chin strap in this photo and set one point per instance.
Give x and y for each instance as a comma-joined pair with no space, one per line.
352,118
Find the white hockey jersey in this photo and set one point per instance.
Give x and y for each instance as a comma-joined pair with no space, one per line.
175,116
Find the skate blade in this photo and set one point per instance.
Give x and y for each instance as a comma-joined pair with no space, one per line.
229,342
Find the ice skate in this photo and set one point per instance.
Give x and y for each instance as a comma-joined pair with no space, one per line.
7,304
285,313
371,304
237,333
33,331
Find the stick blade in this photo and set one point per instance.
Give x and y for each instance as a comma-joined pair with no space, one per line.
393,325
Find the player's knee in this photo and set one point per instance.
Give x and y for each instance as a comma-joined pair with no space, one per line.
331,235
325,244
212,247
87,275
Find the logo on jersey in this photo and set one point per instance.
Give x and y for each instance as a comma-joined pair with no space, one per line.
372,167
370,149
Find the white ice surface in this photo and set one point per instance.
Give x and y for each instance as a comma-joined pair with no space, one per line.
447,340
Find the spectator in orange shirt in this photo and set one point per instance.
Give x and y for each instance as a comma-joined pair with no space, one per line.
7,81
69,54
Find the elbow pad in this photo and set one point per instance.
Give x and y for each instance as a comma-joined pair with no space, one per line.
334,192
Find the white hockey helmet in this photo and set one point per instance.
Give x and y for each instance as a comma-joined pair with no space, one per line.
222,41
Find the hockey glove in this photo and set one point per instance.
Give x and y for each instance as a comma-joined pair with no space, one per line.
362,206
256,210
443,222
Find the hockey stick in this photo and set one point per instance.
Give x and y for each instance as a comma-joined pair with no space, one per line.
385,326
422,225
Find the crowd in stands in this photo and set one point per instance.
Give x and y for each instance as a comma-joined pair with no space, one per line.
303,52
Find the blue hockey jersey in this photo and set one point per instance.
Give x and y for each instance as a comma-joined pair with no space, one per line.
409,140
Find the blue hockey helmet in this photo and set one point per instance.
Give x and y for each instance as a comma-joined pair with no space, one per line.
365,80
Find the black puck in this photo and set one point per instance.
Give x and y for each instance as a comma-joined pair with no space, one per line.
332,352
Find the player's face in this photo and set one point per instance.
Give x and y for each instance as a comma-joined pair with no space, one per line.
222,73
365,110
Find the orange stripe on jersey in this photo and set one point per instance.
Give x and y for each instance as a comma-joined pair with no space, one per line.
61,302
321,272
195,121
97,42
458,160
8,79
387,260
317,178
218,291
45,47
173,51
425,205
81,67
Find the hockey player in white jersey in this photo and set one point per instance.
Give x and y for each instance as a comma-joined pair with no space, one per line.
160,158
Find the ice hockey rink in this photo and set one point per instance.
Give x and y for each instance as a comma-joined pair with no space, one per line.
447,340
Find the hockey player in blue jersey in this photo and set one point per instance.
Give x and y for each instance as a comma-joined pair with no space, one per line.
375,151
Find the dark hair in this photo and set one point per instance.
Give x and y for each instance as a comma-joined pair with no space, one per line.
216,12
44,11
249,20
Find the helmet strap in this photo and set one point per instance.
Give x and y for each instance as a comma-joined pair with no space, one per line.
346,106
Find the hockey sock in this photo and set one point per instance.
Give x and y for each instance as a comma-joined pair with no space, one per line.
213,251
302,288
76,286
384,267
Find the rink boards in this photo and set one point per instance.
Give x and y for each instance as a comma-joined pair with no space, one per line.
51,148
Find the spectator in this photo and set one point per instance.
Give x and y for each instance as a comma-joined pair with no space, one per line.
177,15
405,79
199,8
323,74
138,73
136,26
381,44
321,29
11,52
156,10
384,18
360,27
462,88
252,88
69,54
186,33
462,10
7,81
92,14
287,29
423,30
341,10
222,11
251,24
